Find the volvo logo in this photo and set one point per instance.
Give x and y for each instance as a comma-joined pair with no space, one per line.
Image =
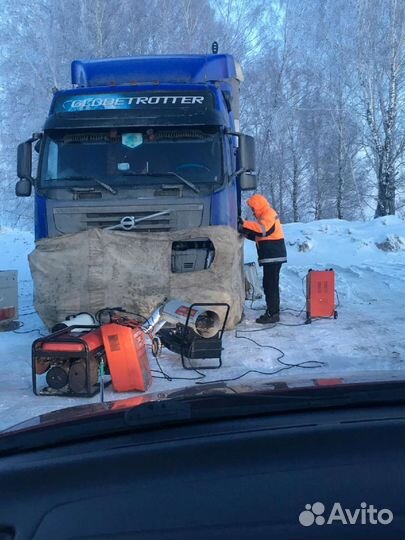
128,223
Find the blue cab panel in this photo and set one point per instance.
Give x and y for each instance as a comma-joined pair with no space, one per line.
40,213
224,206
186,69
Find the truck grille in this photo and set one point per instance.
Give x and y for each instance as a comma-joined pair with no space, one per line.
102,220
77,217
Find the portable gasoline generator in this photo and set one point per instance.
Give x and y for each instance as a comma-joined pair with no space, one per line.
70,361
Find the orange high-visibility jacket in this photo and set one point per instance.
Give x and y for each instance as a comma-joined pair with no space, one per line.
267,232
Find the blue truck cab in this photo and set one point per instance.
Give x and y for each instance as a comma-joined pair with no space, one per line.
141,143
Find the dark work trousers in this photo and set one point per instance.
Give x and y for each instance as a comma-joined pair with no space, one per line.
271,274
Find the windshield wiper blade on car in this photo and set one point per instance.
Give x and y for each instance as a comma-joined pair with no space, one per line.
92,178
169,173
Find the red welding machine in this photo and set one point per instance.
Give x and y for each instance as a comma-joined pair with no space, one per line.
321,294
126,355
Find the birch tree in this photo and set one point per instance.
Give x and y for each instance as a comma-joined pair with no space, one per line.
382,63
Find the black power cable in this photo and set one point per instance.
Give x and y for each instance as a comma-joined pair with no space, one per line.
24,313
110,310
170,378
299,311
314,363
295,324
308,364
302,286
21,324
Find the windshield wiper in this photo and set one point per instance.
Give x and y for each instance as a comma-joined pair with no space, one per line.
185,181
92,178
105,186
169,173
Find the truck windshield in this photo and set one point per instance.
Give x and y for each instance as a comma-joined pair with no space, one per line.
126,157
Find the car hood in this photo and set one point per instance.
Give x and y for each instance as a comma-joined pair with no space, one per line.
261,387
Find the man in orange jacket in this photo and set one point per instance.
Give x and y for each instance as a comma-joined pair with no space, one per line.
268,234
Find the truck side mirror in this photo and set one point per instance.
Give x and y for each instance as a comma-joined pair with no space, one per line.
24,161
248,181
247,159
247,162
23,188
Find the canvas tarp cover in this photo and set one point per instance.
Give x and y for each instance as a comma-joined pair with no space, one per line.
97,268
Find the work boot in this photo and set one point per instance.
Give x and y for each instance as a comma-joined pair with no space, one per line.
268,318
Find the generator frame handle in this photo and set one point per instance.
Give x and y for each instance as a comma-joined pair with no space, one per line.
36,353
220,332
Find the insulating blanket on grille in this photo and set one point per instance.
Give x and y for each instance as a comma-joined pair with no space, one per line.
99,268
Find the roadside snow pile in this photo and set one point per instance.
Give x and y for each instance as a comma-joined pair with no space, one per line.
348,242
393,242
303,245
368,334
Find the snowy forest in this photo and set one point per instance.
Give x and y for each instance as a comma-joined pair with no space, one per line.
324,88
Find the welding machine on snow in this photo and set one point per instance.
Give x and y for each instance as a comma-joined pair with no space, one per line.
320,295
125,349
195,331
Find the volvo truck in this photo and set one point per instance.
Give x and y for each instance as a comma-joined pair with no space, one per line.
141,143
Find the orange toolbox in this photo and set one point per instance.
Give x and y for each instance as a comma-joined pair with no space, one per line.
321,294
127,359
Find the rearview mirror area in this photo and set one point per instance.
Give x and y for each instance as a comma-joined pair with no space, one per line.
246,150
247,162
24,161
248,181
23,188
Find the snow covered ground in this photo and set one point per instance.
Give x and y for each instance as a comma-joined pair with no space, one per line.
369,260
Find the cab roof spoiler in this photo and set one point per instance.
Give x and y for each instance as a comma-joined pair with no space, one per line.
183,69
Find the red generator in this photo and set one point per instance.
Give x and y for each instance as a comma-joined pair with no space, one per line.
127,359
70,360
321,294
